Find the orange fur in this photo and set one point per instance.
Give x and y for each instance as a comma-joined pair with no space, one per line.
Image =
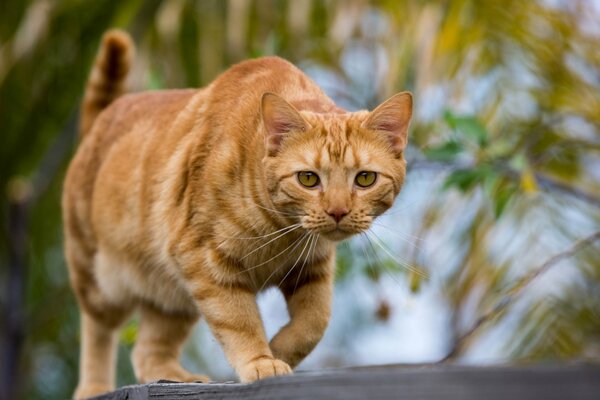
173,198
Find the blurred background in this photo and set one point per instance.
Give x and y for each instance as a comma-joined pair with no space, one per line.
503,172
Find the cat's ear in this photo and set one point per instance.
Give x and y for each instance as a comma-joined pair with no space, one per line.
279,118
392,117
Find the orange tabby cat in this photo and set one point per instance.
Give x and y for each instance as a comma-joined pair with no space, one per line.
183,203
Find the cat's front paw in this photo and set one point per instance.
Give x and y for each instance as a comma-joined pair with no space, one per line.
263,368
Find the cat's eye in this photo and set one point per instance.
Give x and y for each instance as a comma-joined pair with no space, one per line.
308,179
365,178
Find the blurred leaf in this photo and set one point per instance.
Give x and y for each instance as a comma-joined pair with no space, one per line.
465,179
344,262
468,126
504,193
445,152
491,183
528,181
415,280
129,333
373,272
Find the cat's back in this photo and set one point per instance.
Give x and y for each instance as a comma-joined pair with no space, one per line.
118,139
233,98
241,87
154,109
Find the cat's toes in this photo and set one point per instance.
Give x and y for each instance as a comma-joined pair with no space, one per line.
263,368
169,372
85,391
196,378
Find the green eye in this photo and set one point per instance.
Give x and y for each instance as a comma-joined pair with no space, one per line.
365,178
308,179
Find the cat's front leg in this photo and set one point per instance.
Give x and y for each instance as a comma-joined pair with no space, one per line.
233,316
309,306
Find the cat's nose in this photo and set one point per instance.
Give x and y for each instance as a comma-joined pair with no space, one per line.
337,213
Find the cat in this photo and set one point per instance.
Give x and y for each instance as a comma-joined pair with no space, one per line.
187,203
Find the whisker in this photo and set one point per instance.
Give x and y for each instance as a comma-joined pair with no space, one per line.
259,237
299,258
399,235
380,261
278,211
298,243
313,245
251,200
395,210
293,228
408,235
404,264
295,242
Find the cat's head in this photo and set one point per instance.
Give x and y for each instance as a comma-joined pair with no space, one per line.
334,173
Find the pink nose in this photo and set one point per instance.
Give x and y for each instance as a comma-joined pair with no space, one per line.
338,213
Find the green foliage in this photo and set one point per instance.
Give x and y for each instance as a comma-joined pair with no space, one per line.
447,151
468,127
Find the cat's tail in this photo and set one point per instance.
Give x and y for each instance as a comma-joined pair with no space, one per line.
107,78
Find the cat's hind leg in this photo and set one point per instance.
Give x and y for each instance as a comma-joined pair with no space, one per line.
97,359
100,320
158,346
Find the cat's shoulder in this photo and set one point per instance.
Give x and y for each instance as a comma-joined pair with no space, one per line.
248,71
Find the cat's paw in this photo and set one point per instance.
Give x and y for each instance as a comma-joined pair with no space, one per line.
169,371
263,368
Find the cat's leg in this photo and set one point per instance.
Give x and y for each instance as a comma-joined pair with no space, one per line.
233,316
158,346
97,358
100,320
309,306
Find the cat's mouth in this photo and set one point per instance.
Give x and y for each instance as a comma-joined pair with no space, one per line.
337,234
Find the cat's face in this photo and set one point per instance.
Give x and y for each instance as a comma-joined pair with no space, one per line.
334,173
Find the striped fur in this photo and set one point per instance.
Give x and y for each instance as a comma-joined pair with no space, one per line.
183,203
107,79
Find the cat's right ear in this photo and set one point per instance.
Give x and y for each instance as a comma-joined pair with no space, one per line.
392,117
279,119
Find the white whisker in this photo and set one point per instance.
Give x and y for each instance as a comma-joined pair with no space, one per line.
293,228
312,247
298,242
279,212
402,236
295,242
406,265
380,261
299,258
398,209
259,237
251,201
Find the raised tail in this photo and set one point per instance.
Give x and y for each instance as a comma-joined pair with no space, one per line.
107,78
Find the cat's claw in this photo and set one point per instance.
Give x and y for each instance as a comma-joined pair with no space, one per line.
264,368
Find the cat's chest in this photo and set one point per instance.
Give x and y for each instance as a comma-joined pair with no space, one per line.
279,260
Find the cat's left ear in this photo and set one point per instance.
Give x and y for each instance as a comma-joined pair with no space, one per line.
279,118
393,118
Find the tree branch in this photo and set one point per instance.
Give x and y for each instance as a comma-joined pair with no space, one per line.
515,291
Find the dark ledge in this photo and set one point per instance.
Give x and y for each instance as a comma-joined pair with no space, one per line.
414,382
